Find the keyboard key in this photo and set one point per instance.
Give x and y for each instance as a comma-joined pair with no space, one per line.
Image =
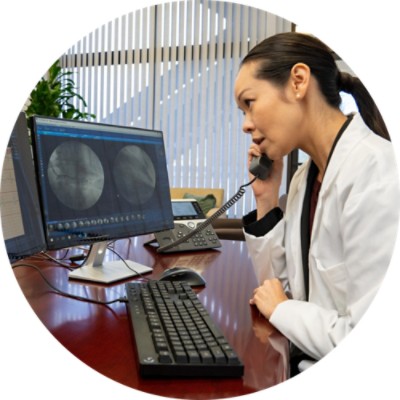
193,356
180,357
164,357
219,355
206,357
232,357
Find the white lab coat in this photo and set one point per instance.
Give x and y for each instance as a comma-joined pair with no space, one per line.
352,241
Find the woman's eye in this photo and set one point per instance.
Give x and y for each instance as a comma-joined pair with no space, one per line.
248,103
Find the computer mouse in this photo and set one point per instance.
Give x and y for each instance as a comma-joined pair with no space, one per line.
188,275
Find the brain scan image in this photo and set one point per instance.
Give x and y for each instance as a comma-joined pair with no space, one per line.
75,175
134,175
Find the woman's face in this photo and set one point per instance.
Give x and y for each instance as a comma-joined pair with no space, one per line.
271,114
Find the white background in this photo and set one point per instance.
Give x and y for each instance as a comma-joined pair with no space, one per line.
33,34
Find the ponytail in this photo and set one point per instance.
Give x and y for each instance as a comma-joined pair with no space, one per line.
366,105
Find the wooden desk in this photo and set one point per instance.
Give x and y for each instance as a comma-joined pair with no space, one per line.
100,335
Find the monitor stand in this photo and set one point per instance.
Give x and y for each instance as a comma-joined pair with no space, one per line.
95,269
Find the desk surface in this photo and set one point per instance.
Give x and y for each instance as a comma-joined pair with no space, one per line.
84,328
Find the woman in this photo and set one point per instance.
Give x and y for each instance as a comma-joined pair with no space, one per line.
321,263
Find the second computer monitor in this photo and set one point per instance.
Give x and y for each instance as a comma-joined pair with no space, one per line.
21,218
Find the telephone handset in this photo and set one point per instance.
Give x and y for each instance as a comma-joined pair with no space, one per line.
261,167
172,240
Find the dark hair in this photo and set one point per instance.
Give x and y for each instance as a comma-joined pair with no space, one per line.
280,52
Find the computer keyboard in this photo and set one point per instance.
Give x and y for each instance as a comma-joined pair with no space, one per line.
174,334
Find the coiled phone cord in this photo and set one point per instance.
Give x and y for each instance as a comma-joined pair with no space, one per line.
235,198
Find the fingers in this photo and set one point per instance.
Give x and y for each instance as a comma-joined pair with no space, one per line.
254,151
268,296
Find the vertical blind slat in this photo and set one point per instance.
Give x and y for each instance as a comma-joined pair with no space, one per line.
108,86
195,101
163,71
173,82
202,137
150,100
187,133
122,74
211,106
219,80
180,117
130,117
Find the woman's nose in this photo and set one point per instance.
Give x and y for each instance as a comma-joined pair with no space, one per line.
248,126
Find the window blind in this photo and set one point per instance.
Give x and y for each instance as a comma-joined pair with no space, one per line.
172,67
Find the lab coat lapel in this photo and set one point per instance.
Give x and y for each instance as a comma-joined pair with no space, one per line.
295,263
349,140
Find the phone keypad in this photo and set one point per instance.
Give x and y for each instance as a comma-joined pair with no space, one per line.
205,239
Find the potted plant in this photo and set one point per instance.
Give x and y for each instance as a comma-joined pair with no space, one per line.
53,96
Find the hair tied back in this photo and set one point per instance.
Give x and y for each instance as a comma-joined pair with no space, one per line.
346,82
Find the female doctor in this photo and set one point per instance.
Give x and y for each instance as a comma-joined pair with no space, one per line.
321,263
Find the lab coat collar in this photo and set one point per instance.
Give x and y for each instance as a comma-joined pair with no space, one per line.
354,133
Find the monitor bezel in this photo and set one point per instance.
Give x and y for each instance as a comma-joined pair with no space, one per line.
32,241
96,269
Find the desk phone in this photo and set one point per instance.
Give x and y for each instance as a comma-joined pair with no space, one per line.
188,216
192,231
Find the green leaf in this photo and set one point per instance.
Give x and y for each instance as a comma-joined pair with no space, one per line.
55,94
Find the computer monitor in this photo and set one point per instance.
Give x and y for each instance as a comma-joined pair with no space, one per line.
99,183
21,218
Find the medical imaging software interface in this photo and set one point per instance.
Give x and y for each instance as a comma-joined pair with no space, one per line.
100,182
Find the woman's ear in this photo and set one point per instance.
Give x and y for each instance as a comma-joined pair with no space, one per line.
299,80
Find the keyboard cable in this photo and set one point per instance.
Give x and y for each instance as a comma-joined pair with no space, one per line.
66,294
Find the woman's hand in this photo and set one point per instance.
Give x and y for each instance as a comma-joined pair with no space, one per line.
268,296
266,192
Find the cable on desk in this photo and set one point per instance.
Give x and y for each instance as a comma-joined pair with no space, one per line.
72,296
67,250
48,256
127,265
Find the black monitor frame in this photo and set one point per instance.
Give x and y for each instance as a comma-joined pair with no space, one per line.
99,183
20,209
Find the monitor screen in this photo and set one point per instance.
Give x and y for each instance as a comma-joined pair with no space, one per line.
183,208
100,182
186,209
20,210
